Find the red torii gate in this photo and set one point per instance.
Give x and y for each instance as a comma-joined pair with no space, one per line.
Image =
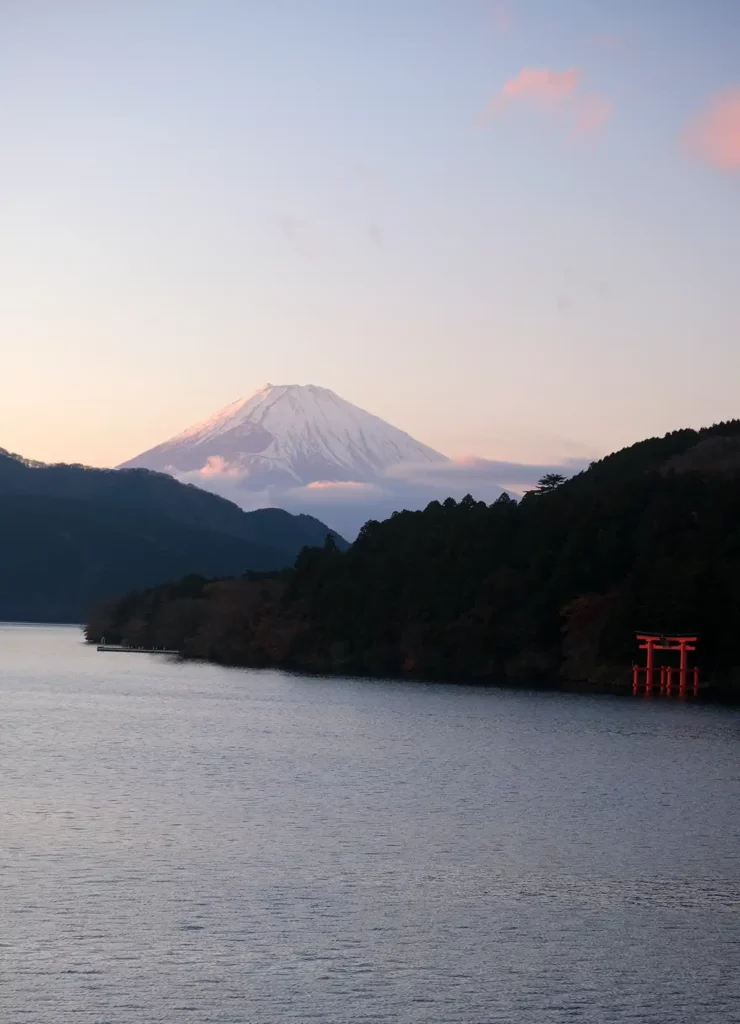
652,642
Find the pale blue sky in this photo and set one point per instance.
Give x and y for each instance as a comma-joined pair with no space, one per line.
199,196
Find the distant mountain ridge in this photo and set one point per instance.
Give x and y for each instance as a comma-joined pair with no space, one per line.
290,435
70,535
146,490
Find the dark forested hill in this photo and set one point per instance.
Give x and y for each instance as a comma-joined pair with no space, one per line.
554,586
69,535
145,491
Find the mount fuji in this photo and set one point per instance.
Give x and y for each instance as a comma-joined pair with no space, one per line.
304,449
289,436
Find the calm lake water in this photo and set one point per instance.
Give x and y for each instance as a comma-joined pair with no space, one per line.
184,843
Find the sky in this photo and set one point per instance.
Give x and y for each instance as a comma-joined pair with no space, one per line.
510,228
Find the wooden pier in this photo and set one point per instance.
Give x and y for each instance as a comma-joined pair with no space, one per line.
121,649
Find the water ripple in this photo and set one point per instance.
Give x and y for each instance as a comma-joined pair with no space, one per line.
184,843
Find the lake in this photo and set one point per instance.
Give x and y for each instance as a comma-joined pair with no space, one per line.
184,843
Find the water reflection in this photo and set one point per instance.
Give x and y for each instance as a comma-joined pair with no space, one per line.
189,843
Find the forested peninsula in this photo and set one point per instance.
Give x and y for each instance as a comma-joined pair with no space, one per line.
549,589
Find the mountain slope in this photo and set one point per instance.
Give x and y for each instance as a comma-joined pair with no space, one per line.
159,494
71,535
59,554
291,435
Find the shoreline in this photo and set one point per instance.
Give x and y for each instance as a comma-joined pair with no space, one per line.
712,693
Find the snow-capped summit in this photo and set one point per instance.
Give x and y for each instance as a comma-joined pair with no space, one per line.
289,434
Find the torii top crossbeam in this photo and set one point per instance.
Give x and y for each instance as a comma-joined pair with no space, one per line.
658,642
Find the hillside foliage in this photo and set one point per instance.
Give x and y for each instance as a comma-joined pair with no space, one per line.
551,587
71,535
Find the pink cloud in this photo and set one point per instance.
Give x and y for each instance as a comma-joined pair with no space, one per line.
216,465
540,86
593,111
714,137
340,485
558,93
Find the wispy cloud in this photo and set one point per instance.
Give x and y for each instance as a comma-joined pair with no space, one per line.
714,136
608,42
470,472
297,233
346,505
344,488
370,180
592,113
502,16
376,235
557,93
540,87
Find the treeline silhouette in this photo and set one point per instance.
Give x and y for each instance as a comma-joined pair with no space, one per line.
550,588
